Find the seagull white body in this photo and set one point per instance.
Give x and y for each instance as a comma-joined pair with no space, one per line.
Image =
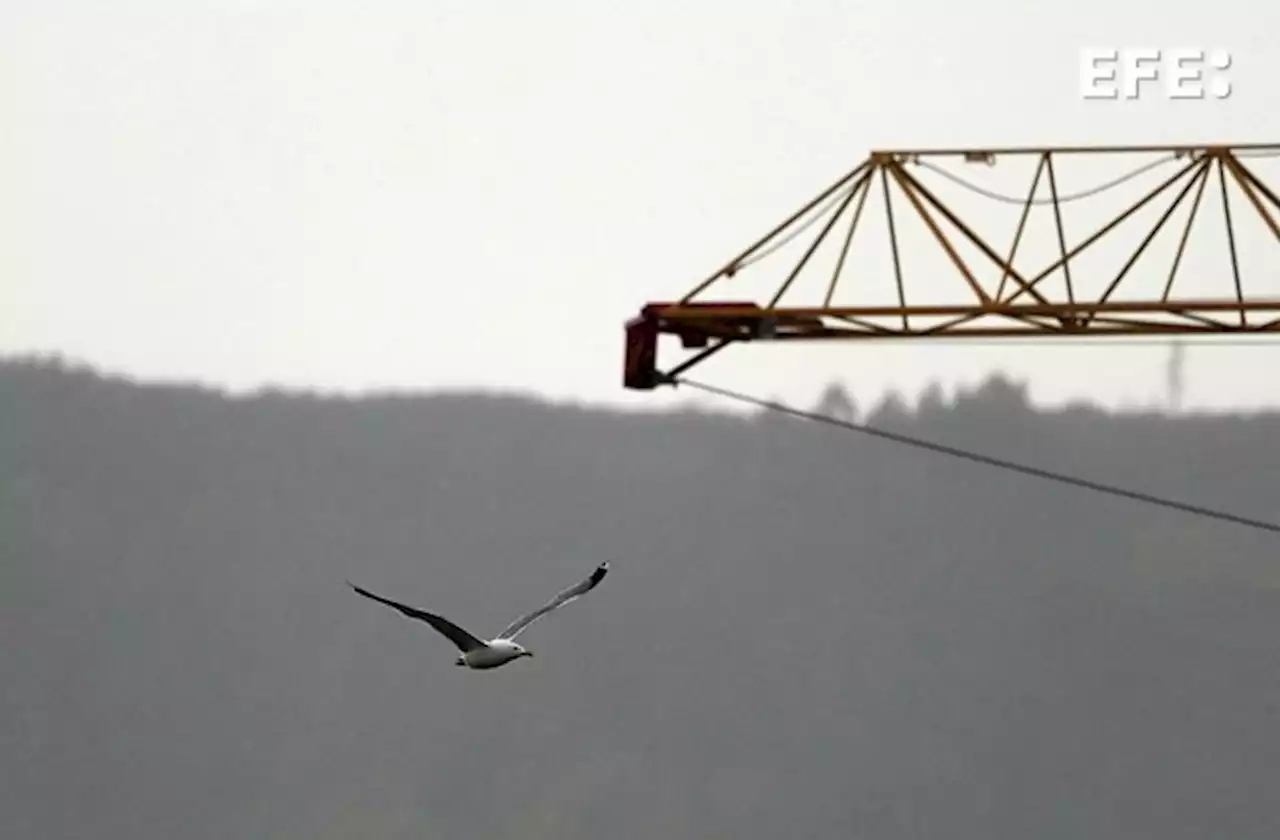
495,652
478,654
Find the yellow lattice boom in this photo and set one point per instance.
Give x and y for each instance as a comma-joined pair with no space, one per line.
996,242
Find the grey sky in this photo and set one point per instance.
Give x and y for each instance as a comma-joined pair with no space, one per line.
438,194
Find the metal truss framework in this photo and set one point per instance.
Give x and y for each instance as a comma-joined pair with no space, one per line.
1018,305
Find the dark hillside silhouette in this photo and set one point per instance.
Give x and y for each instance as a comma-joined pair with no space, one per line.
806,633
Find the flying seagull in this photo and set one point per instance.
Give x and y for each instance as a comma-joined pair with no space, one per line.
482,655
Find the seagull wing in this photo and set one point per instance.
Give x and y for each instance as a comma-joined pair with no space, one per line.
570,594
464,640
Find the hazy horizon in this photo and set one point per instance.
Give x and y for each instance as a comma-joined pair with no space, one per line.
888,642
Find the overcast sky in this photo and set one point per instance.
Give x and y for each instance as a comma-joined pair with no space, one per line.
438,194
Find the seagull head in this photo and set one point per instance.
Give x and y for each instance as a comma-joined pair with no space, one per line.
514,649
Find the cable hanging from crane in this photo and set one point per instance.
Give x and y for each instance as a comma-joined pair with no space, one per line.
989,460
708,326
1062,199
1066,199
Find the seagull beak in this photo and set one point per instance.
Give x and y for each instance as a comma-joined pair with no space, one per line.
528,653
